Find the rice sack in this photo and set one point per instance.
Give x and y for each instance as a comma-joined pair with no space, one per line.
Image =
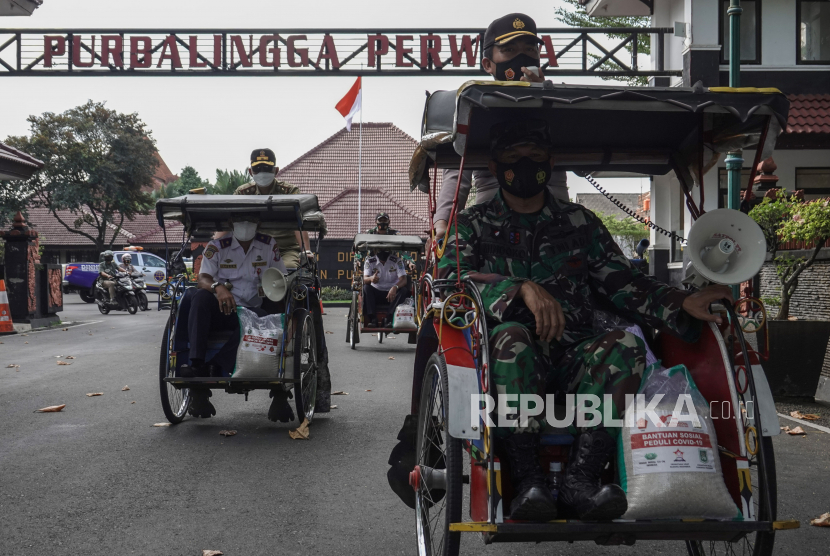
404,318
260,345
671,469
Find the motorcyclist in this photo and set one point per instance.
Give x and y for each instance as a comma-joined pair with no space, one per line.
126,264
107,270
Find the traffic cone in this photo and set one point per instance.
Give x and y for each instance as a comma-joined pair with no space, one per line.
322,311
6,326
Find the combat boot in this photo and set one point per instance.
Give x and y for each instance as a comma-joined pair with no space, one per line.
581,488
532,500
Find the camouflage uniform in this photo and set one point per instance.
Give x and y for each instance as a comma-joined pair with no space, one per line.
286,239
565,249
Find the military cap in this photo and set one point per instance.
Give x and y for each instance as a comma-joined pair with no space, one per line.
381,215
504,135
508,28
263,156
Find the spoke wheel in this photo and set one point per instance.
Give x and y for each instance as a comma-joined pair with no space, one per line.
305,364
753,544
436,450
174,401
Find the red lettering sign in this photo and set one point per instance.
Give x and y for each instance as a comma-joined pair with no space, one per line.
239,47
112,45
378,46
292,50
549,53
466,48
328,52
400,51
53,45
264,51
77,44
431,48
143,49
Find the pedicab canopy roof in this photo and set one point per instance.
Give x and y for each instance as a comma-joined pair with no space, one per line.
213,212
639,130
363,242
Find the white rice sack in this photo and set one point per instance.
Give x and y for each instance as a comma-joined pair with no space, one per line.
260,345
404,318
672,471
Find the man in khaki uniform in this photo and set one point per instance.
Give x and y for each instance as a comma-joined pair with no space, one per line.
263,172
264,181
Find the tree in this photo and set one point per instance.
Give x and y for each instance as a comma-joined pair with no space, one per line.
228,181
188,179
574,15
627,232
96,162
784,218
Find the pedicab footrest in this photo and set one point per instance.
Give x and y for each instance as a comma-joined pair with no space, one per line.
620,531
211,382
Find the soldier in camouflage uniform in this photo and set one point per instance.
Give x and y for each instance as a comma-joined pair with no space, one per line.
264,182
542,265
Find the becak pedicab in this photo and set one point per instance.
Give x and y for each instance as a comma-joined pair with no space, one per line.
448,441
294,365
366,249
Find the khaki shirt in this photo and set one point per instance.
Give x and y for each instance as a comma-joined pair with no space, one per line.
286,239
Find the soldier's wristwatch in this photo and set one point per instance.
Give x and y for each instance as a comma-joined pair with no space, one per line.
213,286
228,285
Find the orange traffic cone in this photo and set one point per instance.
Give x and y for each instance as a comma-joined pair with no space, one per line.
6,326
322,311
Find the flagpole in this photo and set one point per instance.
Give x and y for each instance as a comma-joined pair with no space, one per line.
360,155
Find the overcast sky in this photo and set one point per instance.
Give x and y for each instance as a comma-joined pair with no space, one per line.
215,122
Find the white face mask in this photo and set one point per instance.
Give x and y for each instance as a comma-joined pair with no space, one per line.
264,178
244,231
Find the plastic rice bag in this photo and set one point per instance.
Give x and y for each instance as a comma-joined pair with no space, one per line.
404,318
671,470
260,345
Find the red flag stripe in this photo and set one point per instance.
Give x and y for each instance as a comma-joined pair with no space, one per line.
346,103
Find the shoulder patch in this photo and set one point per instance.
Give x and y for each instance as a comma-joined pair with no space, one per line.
225,242
262,238
393,259
246,189
372,260
210,251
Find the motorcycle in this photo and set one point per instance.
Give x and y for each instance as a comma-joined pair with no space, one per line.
125,298
140,289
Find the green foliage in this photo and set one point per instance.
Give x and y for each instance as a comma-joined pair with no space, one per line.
627,232
227,182
333,293
574,15
189,179
96,162
771,301
786,218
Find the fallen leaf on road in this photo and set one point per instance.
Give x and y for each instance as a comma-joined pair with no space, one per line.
796,431
132,402
805,416
333,407
51,409
93,394
368,390
25,342
329,332
340,393
65,329
69,357
63,363
390,337
12,366
785,428
161,424
821,521
125,388
391,358
301,432
227,433
58,356
212,553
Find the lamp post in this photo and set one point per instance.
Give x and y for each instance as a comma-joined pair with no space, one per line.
734,162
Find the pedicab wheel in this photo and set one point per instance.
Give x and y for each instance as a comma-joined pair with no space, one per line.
165,291
353,333
132,304
439,462
305,364
143,302
174,401
754,544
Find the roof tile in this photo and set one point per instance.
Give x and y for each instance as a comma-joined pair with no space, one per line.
809,114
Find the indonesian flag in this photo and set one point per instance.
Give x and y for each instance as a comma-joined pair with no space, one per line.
350,104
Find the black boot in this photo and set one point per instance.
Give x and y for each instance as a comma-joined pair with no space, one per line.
200,405
532,500
280,409
581,488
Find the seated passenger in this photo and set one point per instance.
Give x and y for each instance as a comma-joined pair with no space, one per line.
384,279
230,275
542,264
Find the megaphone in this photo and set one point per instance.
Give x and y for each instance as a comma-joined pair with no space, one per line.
274,284
725,247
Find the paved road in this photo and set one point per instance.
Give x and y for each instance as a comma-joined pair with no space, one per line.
97,478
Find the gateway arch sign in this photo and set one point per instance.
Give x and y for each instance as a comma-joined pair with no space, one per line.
565,51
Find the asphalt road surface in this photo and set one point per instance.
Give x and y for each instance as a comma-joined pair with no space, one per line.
98,478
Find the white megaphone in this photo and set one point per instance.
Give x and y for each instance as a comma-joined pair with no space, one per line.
725,247
274,284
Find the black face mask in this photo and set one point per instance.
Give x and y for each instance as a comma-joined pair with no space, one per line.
511,70
524,178
108,259
384,255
